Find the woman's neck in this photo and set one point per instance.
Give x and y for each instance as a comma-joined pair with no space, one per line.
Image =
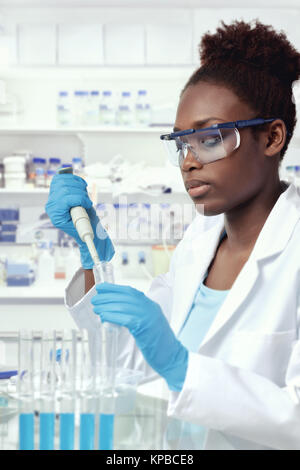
244,223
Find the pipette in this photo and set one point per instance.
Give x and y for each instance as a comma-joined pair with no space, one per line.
82,224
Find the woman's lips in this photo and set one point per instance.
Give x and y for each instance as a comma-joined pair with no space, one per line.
200,190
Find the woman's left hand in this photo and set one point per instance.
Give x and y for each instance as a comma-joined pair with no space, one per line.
129,307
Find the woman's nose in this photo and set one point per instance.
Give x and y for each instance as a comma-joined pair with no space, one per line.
190,162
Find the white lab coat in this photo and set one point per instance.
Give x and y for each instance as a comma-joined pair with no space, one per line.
244,382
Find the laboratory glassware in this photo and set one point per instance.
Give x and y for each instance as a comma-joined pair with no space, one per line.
25,390
63,109
67,389
107,109
47,378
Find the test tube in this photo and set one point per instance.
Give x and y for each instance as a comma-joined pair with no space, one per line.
47,390
88,401
25,390
68,367
108,395
108,273
103,272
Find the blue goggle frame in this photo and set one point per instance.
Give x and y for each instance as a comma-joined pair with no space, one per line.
232,124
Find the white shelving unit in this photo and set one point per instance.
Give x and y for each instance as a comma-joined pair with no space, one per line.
41,306
55,290
38,197
29,130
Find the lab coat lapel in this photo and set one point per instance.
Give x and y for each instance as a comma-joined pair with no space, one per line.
239,291
189,275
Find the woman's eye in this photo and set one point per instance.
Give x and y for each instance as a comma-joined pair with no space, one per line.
211,141
179,146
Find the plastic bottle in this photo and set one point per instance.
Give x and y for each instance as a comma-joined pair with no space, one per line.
85,104
54,163
72,262
80,106
297,175
142,109
10,106
77,165
46,264
92,110
106,109
63,109
144,221
49,176
39,168
125,116
2,269
1,175
289,173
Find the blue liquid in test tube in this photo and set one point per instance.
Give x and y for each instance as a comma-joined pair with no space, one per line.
106,432
87,431
26,431
26,390
67,430
47,421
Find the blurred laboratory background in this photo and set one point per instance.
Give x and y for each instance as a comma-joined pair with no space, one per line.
93,84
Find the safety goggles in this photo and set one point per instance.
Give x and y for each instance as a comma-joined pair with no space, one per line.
209,144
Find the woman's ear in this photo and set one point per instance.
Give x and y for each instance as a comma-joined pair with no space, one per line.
275,138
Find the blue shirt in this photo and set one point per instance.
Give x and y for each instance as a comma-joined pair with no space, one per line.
207,302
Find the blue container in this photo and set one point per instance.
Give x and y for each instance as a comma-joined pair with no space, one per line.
7,215
7,237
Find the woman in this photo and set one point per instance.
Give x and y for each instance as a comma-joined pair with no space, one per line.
222,326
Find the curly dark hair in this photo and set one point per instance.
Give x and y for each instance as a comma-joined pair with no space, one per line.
258,64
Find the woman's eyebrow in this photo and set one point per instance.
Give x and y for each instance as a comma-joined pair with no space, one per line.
199,124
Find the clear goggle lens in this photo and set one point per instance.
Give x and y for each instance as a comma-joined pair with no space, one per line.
206,147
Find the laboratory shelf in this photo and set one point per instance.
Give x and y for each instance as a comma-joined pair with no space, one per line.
49,290
33,191
84,130
55,290
39,196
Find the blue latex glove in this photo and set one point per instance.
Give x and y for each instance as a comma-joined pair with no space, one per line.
67,191
126,306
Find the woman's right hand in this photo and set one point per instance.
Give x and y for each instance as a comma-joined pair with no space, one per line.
67,191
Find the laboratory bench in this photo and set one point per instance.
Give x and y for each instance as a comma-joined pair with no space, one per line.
141,426
34,308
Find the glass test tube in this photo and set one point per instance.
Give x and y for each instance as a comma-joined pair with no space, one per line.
107,402
103,272
26,390
88,398
47,390
68,367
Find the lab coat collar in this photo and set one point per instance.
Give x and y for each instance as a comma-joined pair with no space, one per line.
275,232
272,239
279,225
